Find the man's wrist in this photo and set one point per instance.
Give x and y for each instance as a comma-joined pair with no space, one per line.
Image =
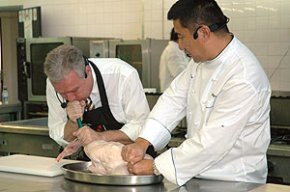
142,142
72,122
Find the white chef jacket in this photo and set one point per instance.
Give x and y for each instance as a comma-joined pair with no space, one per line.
228,130
125,94
172,62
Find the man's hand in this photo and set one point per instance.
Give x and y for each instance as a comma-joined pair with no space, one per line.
75,109
143,167
86,135
70,149
135,152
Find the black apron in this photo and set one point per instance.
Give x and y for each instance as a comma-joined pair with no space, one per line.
101,118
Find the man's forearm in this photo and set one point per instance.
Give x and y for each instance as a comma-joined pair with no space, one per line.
117,136
69,128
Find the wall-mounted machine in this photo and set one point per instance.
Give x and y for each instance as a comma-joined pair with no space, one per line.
144,55
99,48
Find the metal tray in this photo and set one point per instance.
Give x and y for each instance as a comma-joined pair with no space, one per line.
79,172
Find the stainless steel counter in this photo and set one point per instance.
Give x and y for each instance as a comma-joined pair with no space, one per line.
37,126
19,182
27,137
20,136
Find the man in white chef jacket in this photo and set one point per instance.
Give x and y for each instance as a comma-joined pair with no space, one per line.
172,62
224,94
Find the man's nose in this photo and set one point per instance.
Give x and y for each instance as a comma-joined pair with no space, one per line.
180,45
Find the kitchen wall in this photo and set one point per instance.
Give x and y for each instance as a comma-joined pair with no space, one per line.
263,25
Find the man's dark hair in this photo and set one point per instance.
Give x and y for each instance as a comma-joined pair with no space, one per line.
173,35
194,12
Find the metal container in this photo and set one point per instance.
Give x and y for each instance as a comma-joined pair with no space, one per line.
79,172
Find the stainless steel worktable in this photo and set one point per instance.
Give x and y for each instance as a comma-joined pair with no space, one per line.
10,182
31,134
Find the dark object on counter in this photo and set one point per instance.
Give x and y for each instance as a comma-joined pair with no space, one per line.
79,172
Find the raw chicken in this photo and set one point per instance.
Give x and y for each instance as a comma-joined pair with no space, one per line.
106,158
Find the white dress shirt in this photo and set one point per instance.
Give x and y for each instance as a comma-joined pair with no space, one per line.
172,62
226,103
125,94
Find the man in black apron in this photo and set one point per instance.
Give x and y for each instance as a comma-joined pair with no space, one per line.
101,118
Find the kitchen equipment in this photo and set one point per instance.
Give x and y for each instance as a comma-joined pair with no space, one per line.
31,53
28,136
79,172
278,153
143,55
79,121
99,48
33,165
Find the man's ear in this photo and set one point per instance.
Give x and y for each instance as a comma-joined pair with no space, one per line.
205,33
87,70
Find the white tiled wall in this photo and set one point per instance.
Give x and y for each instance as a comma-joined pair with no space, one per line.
263,25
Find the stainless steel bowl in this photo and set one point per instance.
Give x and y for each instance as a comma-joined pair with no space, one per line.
79,172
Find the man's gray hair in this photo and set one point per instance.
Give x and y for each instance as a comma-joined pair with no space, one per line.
61,60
